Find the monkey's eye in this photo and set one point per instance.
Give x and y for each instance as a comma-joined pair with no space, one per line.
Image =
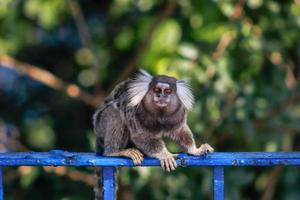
157,90
168,91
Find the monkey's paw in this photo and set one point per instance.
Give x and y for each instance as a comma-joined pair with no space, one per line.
202,150
134,154
168,162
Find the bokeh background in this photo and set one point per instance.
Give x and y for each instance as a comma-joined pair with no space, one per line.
60,58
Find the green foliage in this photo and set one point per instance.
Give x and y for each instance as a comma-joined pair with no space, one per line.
243,65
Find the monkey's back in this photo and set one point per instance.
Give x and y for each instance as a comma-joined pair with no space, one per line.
115,97
109,118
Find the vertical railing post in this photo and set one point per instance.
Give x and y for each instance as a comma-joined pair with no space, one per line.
1,185
109,183
218,183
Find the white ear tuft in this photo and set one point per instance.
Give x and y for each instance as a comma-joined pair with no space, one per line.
138,87
145,73
185,94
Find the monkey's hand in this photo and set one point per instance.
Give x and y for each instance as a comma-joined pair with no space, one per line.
134,154
167,161
202,150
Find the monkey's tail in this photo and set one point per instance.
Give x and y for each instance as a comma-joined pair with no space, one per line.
98,189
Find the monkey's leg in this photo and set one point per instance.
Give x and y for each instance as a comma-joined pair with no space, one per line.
134,154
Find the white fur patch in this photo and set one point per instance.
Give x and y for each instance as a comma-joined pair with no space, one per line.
138,87
185,94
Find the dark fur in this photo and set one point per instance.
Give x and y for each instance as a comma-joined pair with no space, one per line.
160,120
118,125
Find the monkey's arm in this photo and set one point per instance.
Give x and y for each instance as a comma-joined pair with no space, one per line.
155,147
185,139
115,143
112,136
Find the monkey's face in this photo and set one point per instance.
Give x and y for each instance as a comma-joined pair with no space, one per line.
161,96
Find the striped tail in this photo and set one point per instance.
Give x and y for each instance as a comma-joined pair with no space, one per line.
98,189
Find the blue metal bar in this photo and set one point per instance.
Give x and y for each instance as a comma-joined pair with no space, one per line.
216,160
109,183
1,184
64,158
218,183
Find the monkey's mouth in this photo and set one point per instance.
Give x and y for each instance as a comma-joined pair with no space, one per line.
161,103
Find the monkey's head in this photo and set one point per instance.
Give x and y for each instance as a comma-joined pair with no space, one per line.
159,93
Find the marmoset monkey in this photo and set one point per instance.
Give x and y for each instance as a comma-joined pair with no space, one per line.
139,112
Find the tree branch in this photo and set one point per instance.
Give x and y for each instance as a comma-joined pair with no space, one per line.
80,23
226,37
85,36
51,80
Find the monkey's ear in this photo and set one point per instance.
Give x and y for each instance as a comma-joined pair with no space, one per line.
138,87
185,94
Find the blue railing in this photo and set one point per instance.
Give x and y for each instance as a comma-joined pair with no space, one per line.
216,160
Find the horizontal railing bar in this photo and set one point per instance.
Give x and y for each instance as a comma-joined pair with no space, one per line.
64,158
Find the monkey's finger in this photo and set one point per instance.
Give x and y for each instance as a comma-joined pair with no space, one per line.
136,156
172,164
140,159
162,164
202,149
167,165
175,155
135,151
205,149
210,149
127,153
135,161
139,153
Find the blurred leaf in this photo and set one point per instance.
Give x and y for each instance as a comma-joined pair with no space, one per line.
46,12
167,36
40,133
